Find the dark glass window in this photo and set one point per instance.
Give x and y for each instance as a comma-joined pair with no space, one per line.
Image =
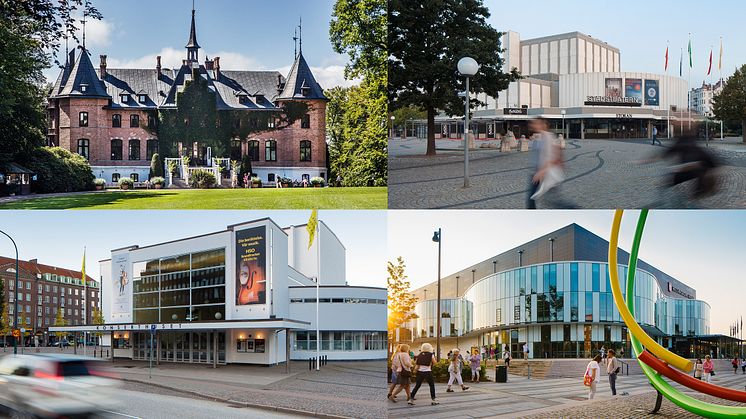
116,149
83,148
305,150
152,122
135,177
134,121
595,277
134,150
83,119
574,307
115,177
152,148
254,150
573,277
533,279
270,150
116,121
305,121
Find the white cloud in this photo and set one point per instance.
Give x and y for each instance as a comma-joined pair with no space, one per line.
98,33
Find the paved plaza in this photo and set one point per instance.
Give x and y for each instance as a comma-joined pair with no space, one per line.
553,398
599,174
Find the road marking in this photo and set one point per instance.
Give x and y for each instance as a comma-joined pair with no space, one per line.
121,414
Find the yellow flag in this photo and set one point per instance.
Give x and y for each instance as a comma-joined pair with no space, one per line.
312,225
82,270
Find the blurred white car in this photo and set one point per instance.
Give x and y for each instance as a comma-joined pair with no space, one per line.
56,385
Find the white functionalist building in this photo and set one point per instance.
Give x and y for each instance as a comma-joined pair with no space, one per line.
577,83
246,294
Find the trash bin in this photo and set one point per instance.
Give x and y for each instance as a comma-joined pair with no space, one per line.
501,374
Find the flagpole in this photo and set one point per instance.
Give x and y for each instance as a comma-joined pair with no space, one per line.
318,280
668,113
85,302
720,68
690,81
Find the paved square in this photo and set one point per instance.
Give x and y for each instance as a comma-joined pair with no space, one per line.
599,174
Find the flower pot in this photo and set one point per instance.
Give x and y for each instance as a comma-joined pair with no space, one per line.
125,187
99,187
316,186
285,185
158,185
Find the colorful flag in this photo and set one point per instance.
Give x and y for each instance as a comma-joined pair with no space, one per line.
82,270
709,69
313,223
691,64
681,64
720,62
665,68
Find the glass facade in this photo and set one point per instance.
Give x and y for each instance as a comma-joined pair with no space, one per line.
562,309
188,287
340,341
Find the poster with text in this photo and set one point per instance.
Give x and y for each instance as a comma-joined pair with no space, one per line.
251,262
121,287
613,87
652,93
633,88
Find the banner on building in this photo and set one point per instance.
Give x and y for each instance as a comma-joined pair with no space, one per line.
121,277
652,93
613,87
633,88
251,263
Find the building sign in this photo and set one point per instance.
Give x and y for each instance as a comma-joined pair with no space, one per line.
613,87
652,93
515,111
251,262
633,88
121,287
673,289
624,115
612,101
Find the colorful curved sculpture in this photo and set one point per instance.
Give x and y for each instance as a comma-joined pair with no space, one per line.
654,367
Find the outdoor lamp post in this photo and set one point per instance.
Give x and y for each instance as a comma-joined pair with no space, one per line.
468,67
393,118
15,297
457,314
437,239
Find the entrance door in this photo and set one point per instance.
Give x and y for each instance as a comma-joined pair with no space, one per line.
181,347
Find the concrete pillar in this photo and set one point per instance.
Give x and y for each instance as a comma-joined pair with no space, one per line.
650,130
215,349
582,129
158,349
111,345
287,351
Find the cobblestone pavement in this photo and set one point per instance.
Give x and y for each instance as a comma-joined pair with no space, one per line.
345,389
599,174
549,398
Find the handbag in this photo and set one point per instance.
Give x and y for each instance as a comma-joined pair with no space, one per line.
553,177
587,378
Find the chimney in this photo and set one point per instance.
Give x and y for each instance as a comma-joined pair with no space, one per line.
33,261
280,84
209,64
158,65
102,66
217,67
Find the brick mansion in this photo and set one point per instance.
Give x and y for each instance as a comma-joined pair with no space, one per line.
110,116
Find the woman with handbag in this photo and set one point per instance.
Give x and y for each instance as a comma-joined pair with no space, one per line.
402,364
708,368
424,364
592,372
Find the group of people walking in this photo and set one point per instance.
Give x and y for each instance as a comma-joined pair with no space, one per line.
404,364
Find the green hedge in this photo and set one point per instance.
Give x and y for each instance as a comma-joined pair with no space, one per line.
59,170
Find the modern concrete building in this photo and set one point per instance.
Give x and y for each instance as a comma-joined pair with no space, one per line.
553,294
246,294
576,82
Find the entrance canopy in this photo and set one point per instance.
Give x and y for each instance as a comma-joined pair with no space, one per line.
222,325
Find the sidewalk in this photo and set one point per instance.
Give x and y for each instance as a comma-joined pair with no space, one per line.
339,390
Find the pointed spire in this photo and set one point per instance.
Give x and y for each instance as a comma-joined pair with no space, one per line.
295,42
300,35
85,10
192,46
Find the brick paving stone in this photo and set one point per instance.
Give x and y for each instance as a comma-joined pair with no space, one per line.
599,174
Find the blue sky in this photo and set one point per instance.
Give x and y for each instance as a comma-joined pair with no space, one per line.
640,29
703,249
247,35
57,237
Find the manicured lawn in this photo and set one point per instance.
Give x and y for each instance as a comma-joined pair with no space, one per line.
268,198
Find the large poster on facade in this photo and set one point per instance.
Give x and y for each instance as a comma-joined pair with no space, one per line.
652,93
251,266
613,88
633,88
121,277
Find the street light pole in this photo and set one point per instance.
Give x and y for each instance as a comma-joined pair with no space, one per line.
458,311
468,67
437,239
15,297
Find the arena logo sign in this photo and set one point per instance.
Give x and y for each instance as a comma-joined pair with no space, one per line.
613,101
675,290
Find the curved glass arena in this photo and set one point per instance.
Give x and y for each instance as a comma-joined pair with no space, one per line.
558,308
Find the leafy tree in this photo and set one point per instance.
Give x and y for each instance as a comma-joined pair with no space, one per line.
97,317
59,320
730,104
357,116
156,166
407,113
245,168
426,40
400,301
60,170
4,315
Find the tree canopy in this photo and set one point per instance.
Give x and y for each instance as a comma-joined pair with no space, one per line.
426,40
730,104
400,301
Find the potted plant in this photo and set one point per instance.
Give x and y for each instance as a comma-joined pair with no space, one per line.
126,183
317,181
256,182
286,182
172,166
100,184
158,182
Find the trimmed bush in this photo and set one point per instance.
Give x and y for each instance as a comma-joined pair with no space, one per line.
99,182
156,166
158,181
202,179
126,181
316,180
59,170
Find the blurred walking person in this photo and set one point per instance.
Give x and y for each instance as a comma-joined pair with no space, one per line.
402,364
592,373
708,368
613,367
475,362
424,364
454,371
549,167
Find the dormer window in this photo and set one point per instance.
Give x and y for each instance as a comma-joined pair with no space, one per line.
124,97
259,98
243,98
83,88
304,89
142,98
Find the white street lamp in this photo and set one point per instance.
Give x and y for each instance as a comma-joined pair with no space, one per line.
468,67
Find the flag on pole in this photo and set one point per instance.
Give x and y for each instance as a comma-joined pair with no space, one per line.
709,69
665,68
720,61
681,64
691,64
313,223
82,269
